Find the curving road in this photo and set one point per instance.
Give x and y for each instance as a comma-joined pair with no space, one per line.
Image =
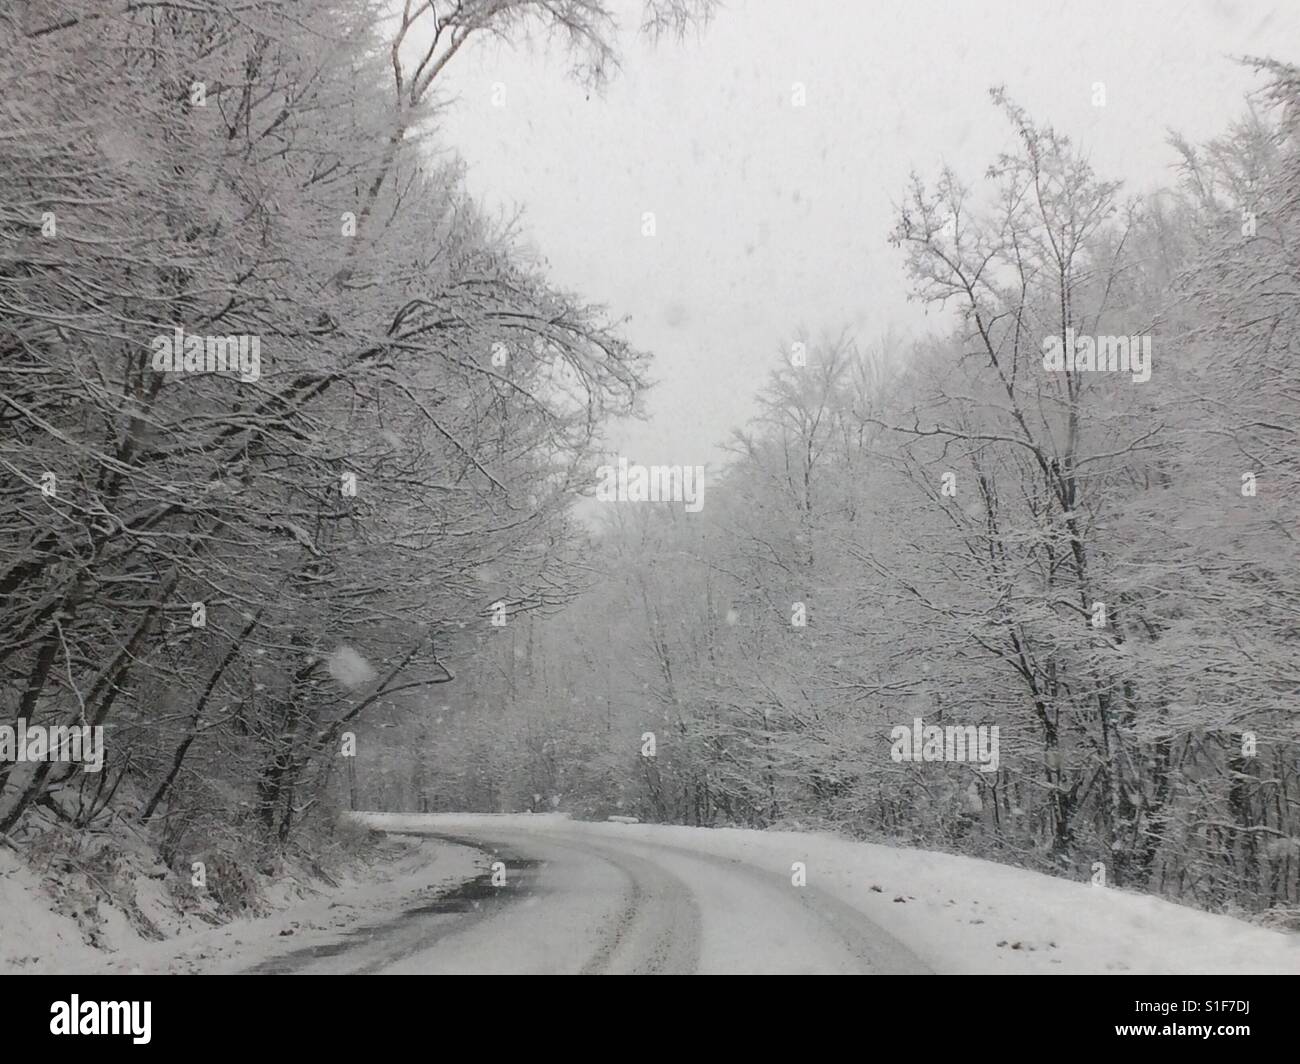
575,904
609,905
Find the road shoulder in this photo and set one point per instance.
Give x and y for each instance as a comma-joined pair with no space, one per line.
419,871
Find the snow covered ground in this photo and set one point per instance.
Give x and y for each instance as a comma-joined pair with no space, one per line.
957,914
35,939
616,896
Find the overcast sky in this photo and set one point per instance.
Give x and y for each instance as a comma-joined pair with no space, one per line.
772,217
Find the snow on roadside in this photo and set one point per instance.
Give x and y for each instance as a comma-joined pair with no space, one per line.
960,915
31,932
35,940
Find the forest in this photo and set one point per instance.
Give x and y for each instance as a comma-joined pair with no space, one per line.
373,572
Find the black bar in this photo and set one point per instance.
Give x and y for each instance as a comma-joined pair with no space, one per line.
441,1017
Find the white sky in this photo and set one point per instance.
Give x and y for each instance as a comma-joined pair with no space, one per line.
771,218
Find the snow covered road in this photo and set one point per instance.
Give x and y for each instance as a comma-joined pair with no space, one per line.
567,902
643,897
577,896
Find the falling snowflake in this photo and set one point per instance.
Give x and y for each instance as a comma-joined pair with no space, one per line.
349,668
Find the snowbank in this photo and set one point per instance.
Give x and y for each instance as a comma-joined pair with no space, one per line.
36,939
31,932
